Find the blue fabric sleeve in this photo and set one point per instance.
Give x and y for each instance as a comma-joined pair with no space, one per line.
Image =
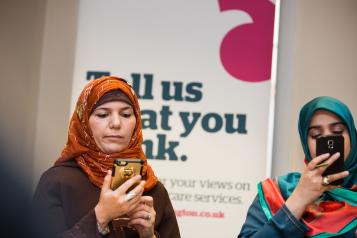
282,224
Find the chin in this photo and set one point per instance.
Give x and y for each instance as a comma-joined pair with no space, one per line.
113,149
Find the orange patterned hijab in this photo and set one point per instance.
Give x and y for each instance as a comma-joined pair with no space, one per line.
81,146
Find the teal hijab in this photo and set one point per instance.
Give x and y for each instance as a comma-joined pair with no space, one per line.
341,110
345,195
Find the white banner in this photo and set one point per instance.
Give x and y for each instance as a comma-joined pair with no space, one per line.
201,70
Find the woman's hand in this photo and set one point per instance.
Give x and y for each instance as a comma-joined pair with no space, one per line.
311,186
113,204
143,217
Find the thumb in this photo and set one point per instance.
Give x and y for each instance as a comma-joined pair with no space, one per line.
107,181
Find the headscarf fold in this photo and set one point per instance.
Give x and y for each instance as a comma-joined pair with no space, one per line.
81,146
335,212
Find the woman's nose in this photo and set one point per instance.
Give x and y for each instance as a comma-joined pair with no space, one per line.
115,121
327,132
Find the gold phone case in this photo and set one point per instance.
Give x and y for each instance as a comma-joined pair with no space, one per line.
124,169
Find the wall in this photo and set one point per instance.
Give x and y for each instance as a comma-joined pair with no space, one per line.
36,61
55,86
21,23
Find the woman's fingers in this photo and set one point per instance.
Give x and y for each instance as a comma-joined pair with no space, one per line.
317,160
321,163
139,189
146,203
334,177
144,214
329,161
133,197
148,200
115,203
140,209
129,183
107,181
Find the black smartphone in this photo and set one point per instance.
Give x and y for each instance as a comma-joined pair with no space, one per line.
332,145
124,169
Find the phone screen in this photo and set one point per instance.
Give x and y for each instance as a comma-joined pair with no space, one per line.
332,145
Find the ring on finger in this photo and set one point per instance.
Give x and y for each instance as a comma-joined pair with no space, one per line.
148,217
325,180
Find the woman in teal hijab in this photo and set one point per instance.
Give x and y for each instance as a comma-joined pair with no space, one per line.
307,205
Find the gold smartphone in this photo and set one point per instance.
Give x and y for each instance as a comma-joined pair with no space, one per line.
124,169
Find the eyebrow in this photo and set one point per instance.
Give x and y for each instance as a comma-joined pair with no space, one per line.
332,124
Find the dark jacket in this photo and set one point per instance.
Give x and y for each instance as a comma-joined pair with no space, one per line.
64,204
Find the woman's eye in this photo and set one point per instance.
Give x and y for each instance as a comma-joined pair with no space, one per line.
338,132
101,115
126,114
315,134
338,129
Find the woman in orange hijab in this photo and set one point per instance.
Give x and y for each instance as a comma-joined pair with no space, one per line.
74,197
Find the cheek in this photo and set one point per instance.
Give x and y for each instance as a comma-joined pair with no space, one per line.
131,127
95,128
311,143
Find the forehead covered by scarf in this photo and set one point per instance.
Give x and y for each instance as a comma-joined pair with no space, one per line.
338,108
115,95
81,145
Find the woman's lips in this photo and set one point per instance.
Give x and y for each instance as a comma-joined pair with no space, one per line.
113,138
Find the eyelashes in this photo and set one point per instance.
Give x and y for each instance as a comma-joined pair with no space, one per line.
337,132
127,115
315,136
104,115
101,115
